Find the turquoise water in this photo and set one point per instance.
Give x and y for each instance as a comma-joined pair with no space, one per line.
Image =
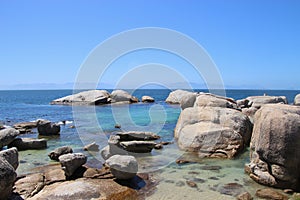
97,124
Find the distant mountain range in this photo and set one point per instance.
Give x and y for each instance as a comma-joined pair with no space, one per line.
57,86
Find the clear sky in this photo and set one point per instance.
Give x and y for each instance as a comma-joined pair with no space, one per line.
255,44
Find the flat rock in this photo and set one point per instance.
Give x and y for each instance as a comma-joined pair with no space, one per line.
28,143
11,156
137,135
54,155
138,146
7,135
270,194
122,166
90,97
48,128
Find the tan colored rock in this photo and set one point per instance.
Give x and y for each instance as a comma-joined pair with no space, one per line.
176,96
147,99
118,96
270,194
297,100
274,148
213,131
211,100
258,101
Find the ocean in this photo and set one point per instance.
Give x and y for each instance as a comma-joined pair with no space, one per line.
98,123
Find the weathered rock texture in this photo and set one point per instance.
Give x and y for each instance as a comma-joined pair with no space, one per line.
275,145
122,166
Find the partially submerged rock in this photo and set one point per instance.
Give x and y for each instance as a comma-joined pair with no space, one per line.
138,146
90,97
11,156
213,131
119,96
274,149
7,178
71,162
122,166
25,127
48,128
137,135
176,96
54,155
91,147
23,144
147,99
270,194
7,135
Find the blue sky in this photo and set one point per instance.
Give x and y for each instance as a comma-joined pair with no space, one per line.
255,44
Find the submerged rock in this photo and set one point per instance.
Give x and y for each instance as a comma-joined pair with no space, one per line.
274,149
213,131
122,166
48,128
11,156
91,147
7,178
147,99
7,135
54,155
23,144
71,162
270,194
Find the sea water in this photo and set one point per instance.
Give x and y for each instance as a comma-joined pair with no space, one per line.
97,123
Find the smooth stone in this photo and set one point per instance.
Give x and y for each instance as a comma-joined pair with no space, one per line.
54,155
7,135
122,96
23,144
147,99
122,166
11,156
297,100
48,128
91,147
176,96
71,162
270,194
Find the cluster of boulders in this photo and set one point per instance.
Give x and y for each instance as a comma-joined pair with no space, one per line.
124,143
215,126
99,97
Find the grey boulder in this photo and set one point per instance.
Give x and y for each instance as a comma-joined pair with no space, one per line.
7,135
121,96
122,166
54,155
23,144
71,162
137,135
147,99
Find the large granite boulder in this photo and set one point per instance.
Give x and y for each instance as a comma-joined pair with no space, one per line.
147,99
213,131
90,97
297,100
71,162
11,156
176,96
48,128
122,166
121,96
7,135
8,176
211,100
23,144
275,152
54,155
188,100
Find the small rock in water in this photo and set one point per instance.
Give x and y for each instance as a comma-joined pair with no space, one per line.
54,155
180,184
288,191
117,126
169,181
232,189
213,178
158,146
199,180
191,184
92,147
193,172
270,194
179,161
72,126
244,196
211,168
